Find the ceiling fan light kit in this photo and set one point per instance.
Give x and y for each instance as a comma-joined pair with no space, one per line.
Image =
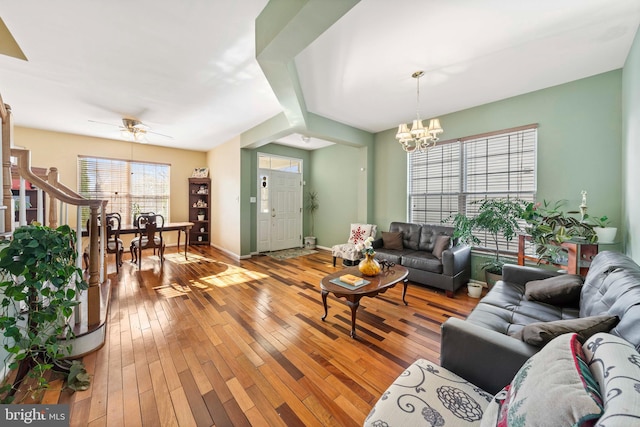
418,138
134,130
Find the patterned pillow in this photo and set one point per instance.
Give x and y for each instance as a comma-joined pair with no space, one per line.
553,388
615,365
359,233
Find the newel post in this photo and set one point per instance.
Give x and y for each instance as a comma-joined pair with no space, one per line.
93,293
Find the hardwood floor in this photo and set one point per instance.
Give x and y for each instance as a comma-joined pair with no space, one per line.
214,341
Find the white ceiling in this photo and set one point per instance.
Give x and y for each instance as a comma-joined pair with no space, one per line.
188,69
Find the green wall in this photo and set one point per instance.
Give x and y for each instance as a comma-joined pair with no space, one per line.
579,145
631,150
337,177
579,148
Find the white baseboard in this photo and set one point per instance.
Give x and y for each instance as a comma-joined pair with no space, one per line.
231,254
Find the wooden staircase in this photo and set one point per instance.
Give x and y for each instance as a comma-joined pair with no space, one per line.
89,320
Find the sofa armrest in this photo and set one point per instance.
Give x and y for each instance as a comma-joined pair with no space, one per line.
484,357
456,259
377,243
521,274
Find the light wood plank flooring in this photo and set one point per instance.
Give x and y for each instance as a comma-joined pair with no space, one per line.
214,341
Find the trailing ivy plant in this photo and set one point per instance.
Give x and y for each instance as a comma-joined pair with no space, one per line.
38,289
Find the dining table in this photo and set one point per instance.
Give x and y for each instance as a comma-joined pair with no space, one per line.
169,226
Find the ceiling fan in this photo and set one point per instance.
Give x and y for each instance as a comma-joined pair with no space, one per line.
134,130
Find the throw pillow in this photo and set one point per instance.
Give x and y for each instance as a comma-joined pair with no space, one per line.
553,388
540,333
392,240
442,243
359,233
558,290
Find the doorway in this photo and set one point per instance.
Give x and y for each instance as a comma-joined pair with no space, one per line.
279,224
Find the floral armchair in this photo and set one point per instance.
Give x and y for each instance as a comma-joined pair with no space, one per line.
348,251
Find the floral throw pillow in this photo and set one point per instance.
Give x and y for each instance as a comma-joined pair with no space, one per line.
553,388
359,233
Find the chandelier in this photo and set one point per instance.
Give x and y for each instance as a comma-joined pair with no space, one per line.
418,138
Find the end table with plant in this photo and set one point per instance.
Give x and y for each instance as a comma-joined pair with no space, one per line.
549,227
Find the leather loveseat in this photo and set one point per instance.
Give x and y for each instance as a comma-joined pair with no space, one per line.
485,341
429,252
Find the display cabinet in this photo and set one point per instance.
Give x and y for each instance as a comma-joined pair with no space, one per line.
31,198
200,211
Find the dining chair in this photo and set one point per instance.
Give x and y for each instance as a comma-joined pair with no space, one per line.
148,236
114,243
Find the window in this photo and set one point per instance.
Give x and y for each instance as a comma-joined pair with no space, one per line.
129,186
452,175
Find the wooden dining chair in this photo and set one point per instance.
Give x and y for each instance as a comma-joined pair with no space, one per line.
114,243
148,236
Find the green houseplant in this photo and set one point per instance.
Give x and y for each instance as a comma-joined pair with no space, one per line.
38,289
311,206
601,227
498,218
549,227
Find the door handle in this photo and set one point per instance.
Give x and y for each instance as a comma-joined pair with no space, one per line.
273,213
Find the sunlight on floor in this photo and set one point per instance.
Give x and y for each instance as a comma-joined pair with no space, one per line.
178,258
171,291
232,275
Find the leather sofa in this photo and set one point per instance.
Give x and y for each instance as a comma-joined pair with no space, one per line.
448,268
482,343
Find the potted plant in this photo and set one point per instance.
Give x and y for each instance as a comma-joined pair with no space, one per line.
549,227
38,288
312,206
600,227
499,219
201,213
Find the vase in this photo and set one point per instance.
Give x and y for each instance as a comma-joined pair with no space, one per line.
369,266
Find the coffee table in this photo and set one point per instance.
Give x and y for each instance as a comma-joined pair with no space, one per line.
379,284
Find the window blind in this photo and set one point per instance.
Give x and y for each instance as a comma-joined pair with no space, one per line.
129,186
451,176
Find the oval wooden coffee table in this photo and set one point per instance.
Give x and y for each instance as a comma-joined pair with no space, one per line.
377,285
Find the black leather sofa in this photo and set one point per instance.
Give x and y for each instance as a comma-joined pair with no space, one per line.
448,272
482,343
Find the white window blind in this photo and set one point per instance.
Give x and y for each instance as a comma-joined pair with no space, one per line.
451,176
129,186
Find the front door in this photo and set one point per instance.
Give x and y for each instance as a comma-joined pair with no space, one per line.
280,210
